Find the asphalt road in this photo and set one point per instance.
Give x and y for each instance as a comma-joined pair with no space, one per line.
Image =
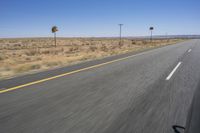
144,93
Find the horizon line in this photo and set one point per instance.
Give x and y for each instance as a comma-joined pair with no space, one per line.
173,35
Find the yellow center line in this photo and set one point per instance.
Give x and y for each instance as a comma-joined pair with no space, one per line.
65,74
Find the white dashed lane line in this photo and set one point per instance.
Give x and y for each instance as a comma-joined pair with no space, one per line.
173,71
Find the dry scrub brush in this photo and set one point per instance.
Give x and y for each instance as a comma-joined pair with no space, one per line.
23,55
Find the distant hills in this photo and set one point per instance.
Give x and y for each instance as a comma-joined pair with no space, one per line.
169,37
128,37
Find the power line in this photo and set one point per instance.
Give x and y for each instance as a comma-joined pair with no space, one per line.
120,33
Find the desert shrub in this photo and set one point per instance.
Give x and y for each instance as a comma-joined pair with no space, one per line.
1,41
28,59
1,58
7,68
13,41
45,52
121,44
35,66
27,67
144,42
133,42
51,64
38,58
104,48
73,49
114,47
57,51
86,44
92,48
31,52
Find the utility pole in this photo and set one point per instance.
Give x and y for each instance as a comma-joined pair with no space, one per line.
120,33
151,29
54,29
167,37
55,38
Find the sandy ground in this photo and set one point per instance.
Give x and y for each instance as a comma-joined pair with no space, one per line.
19,56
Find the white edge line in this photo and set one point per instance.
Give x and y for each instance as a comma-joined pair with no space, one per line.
189,50
174,70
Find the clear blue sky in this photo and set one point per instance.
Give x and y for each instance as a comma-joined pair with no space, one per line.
34,18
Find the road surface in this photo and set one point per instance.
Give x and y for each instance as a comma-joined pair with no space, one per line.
146,92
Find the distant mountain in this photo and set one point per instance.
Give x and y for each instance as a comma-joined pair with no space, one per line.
168,37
